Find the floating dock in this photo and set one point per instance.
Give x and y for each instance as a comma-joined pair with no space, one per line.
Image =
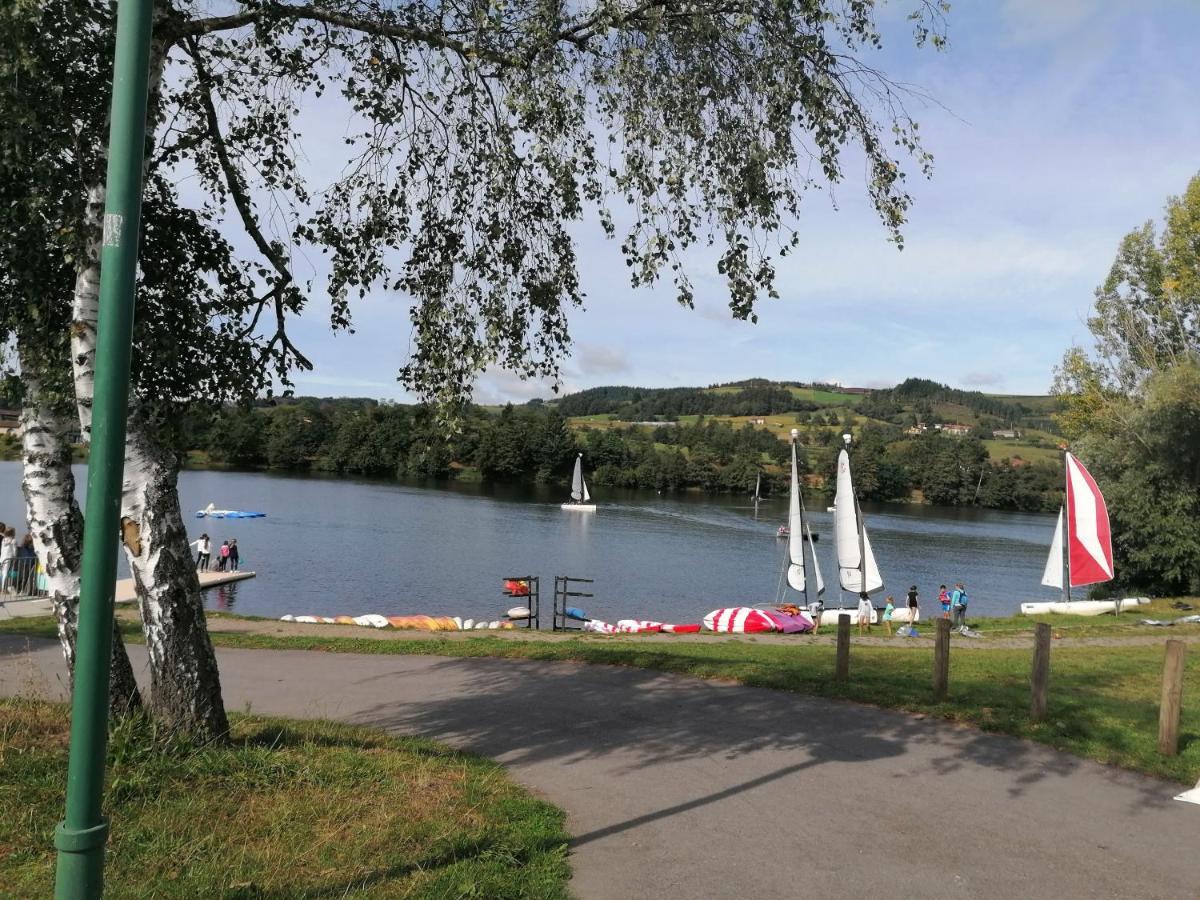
125,593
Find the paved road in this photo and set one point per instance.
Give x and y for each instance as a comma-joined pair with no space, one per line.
690,789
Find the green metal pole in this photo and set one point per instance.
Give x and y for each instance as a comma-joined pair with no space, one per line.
81,836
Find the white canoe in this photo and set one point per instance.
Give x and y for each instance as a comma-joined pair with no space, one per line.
1081,607
580,507
829,617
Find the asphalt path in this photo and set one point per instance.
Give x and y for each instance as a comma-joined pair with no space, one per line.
676,787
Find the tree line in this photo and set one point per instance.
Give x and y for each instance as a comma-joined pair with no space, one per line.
534,444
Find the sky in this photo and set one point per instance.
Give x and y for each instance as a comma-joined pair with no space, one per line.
1058,126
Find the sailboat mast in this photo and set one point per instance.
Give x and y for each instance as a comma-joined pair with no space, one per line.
1067,525
803,521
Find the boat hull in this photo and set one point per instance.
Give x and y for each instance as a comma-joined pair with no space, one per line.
580,507
1080,607
829,616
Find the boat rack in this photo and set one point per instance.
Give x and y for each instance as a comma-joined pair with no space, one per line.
530,597
564,588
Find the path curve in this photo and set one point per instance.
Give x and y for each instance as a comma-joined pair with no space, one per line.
680,788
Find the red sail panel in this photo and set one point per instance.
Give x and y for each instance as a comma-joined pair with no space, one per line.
1090,544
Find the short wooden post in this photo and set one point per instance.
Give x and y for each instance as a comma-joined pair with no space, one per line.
1172,695
1041,672
842,671
941,661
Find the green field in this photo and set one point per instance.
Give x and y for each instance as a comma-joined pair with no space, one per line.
1003,449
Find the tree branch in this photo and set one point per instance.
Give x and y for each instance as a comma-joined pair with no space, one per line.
241,200
175,30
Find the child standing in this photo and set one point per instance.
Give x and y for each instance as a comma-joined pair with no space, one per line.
887,614
944,599
914,608
864,614
223,556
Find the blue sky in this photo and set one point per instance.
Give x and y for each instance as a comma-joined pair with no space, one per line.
1062,125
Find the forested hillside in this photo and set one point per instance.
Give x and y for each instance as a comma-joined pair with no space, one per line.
718,439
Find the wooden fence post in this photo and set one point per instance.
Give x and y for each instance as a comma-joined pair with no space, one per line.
941,661
842,670
1041,672
1172,695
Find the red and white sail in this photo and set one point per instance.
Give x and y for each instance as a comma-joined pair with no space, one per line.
1089,541
1089,544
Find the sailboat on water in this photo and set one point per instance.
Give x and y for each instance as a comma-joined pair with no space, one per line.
857,570
1082,544
581,500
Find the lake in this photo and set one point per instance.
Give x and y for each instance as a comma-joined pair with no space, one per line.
332,546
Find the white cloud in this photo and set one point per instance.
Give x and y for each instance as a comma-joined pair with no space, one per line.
497,386
596,359
983,379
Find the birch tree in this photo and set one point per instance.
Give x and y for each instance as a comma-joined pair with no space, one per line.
690,132
34,300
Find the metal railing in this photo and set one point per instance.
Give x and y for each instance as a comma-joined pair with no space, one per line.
22,578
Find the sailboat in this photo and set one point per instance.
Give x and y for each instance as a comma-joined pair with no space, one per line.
857,569
799,528
580,498
1082,531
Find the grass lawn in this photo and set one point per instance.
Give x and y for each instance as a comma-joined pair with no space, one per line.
287,809
1004,449
1103,699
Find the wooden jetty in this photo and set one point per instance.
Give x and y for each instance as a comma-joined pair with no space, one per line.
125,593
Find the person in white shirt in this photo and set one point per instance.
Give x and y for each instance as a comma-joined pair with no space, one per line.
203,551
864,613
8,556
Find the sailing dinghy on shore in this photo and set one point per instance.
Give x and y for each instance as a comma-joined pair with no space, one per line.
857,569
1083,533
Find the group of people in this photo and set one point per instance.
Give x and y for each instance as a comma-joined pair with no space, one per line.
953,603
18,562
228,555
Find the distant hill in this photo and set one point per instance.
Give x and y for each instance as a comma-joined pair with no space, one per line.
913,400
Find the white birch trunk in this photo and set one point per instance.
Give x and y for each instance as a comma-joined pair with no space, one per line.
57,528
185,689
85,309
185,685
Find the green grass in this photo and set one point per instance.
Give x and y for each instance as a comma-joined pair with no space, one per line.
826,398
286,809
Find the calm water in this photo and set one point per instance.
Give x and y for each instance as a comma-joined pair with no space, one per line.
335,546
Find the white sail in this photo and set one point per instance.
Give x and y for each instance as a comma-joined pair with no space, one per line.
1053,576
816,565
852,569
577,487
586,496
758,487
795,573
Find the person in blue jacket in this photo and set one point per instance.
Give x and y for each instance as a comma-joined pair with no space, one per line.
958,604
